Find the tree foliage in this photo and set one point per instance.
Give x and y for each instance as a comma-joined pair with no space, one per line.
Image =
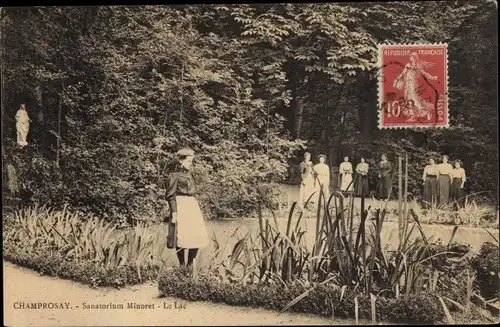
114,92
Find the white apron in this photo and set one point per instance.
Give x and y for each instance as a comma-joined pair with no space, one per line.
346,176
191,229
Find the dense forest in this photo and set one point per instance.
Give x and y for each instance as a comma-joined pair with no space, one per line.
113,92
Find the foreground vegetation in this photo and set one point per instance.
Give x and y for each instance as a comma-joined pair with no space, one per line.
470,214
347,273
325,299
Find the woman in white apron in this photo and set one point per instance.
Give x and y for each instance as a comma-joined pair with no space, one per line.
191,231
345,171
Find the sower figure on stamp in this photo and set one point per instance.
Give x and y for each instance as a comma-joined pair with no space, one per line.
384,178
430,184
412,111
457,184
307,179
444,181
186,216
322,178
408,81
22,126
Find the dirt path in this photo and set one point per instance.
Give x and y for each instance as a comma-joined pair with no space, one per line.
25,286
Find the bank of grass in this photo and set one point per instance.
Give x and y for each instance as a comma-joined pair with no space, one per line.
325,299
53,263
82,247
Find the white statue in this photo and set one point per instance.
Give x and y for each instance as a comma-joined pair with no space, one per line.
22,125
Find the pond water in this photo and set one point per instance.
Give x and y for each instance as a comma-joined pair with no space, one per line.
228,232
473,236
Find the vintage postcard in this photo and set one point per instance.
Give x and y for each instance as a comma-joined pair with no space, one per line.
250,164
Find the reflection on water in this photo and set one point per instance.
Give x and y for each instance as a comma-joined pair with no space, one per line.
223,230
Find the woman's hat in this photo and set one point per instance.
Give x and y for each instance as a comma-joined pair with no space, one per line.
321,155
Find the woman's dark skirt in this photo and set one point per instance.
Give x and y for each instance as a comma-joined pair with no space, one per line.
456,193
384,186
361,187
430,191
444,184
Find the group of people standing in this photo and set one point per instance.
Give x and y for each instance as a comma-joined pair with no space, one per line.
442,183
315,177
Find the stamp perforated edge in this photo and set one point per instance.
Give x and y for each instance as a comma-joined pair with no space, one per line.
382,46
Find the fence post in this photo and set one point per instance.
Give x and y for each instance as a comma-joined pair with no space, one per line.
405,211
400,196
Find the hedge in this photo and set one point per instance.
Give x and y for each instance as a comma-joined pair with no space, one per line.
87,272
487,266
423,308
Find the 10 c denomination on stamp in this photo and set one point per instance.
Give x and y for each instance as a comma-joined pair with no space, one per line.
413,86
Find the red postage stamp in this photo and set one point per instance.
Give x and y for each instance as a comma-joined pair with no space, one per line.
413,86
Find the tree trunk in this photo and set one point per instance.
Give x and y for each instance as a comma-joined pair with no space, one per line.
361,119
60,60
59,116
366,118
367,111
324,137
39,100
295,103
333,144
298,108
340,139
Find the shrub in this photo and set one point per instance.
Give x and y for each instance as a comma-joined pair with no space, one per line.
86,237
487,266
55,264
420,308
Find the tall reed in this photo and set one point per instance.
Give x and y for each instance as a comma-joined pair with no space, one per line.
85,237
354,257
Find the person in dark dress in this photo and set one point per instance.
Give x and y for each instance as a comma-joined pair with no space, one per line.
430,184
444,181
191,231
361,186
384,178
457,184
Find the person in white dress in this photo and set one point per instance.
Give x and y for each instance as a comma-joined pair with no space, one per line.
346,171
322,181
22,125
458,180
